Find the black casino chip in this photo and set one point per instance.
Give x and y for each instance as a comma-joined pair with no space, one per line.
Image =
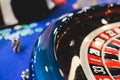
83,45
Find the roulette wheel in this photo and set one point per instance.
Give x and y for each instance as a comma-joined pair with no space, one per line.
81,45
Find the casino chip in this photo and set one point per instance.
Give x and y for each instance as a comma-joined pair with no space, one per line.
84,45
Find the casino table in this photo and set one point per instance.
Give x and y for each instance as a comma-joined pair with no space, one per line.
13,63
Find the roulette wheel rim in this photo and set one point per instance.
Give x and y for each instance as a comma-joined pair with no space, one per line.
46,60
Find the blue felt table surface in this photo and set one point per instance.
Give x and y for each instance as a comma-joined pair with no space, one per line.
11,63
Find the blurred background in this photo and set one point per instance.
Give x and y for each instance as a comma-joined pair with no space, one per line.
25,20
